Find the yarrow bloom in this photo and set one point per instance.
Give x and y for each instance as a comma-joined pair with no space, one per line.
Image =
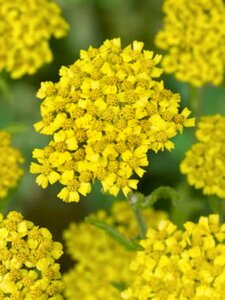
204,163
10,160
27,261
193,36
105,113
25,30
102,265
180,264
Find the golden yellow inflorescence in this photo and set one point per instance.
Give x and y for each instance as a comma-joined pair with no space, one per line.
10,160
178,264
25,30
102,265
193,36
27,261
105,113
204,163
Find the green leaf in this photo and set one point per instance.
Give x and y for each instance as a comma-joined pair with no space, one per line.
112,232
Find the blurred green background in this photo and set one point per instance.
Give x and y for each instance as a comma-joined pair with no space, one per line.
91,22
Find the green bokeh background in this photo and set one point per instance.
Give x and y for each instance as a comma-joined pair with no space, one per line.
91,22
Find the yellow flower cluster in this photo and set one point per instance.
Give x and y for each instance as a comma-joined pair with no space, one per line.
104,114
25,28
27,261
102,263
194,38
10,159
177,264
204,163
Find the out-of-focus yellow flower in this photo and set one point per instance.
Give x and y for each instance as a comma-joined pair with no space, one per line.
193,36
204,163
102,263
27,261
10,160
25,30
177,264
105,113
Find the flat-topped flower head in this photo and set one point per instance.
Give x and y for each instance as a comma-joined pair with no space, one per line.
204,163
180,264
25,30
10,161
101,264
193,37
106,112
28,268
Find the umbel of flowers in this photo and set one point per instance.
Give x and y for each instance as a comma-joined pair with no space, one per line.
10,160
176,264
102,265
25,30
104,114
28,268
204,163
193,37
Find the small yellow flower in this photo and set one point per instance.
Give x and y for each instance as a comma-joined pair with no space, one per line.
101,263
193,37
180,264
26,27
27,260
104,114
204,163
10,160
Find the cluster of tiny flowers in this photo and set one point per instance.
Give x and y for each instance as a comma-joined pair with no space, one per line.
177,264
102,265
27,261
104,114
194,38
10,160
204,163
25,28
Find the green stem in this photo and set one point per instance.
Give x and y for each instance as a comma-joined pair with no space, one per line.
140,221
133,200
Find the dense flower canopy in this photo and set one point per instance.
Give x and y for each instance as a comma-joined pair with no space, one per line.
27,261
204,163
177,264
102,264
25,30
105,113
10,160
193,36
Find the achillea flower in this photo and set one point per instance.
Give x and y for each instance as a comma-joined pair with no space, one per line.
193,36
25,29
27,261
204,163
10,160
176,264
101,263
105,113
